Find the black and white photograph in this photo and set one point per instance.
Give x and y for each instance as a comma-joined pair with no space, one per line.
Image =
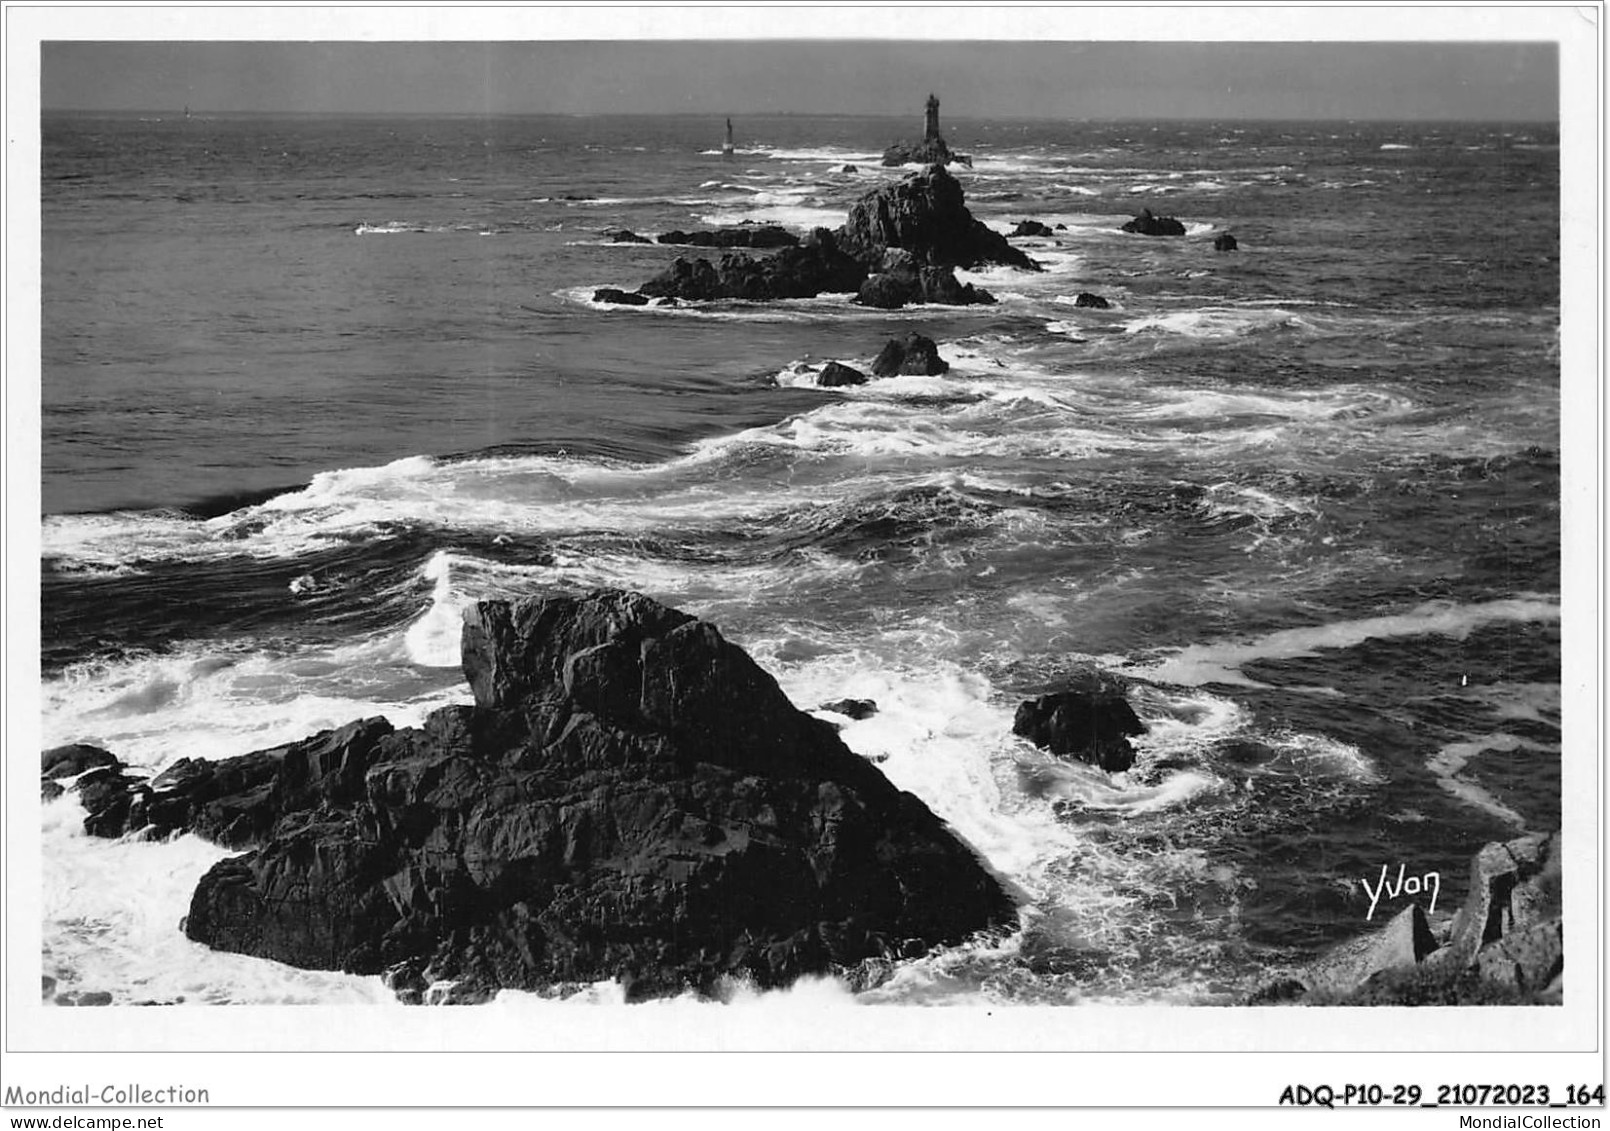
828,530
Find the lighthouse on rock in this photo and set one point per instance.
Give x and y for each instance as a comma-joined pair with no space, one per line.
931,150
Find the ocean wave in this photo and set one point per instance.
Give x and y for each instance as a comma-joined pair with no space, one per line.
795,215
1219,322
109,910
1221,662
829,154
1448,763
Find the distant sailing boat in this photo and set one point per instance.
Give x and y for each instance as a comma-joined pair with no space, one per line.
726,146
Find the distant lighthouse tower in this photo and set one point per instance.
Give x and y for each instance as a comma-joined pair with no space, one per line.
930,121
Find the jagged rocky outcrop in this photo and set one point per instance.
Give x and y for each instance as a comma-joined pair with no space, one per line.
758,236
1148,225
922,217
630,796
913,355
926,214
624,235
1091,301
1504,946
1090,720
901,278
818,265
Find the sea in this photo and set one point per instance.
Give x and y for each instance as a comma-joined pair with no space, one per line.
312,385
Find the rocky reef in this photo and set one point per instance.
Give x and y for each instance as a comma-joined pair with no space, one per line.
744,235
901,278
1147,224
630,797
818,265
926,214
900,243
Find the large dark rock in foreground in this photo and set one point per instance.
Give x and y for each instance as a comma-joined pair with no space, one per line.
925,213
1505,945
1148,225
816,266
630,797
1091,721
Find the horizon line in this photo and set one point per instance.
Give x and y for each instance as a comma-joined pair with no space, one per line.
179,112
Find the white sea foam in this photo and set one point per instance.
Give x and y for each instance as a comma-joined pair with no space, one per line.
1218,322
788,211
1220,662
830,154
111,925
1448,763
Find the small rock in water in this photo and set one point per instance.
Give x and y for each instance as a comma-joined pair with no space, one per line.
619,297
851,708
836,375
911,355
1092,723
1148,225
1094,302
1224,242
1030,228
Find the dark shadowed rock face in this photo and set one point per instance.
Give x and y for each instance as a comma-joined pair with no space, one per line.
852,708
1092,722
619,297
1224,241
630,797
836,375
1148,225
901,278
759,235
815,267
913,355
925,214
1030,228
1092,301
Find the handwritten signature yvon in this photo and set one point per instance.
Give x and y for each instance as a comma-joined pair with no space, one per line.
1405,885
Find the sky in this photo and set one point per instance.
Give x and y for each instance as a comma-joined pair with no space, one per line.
1065,78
